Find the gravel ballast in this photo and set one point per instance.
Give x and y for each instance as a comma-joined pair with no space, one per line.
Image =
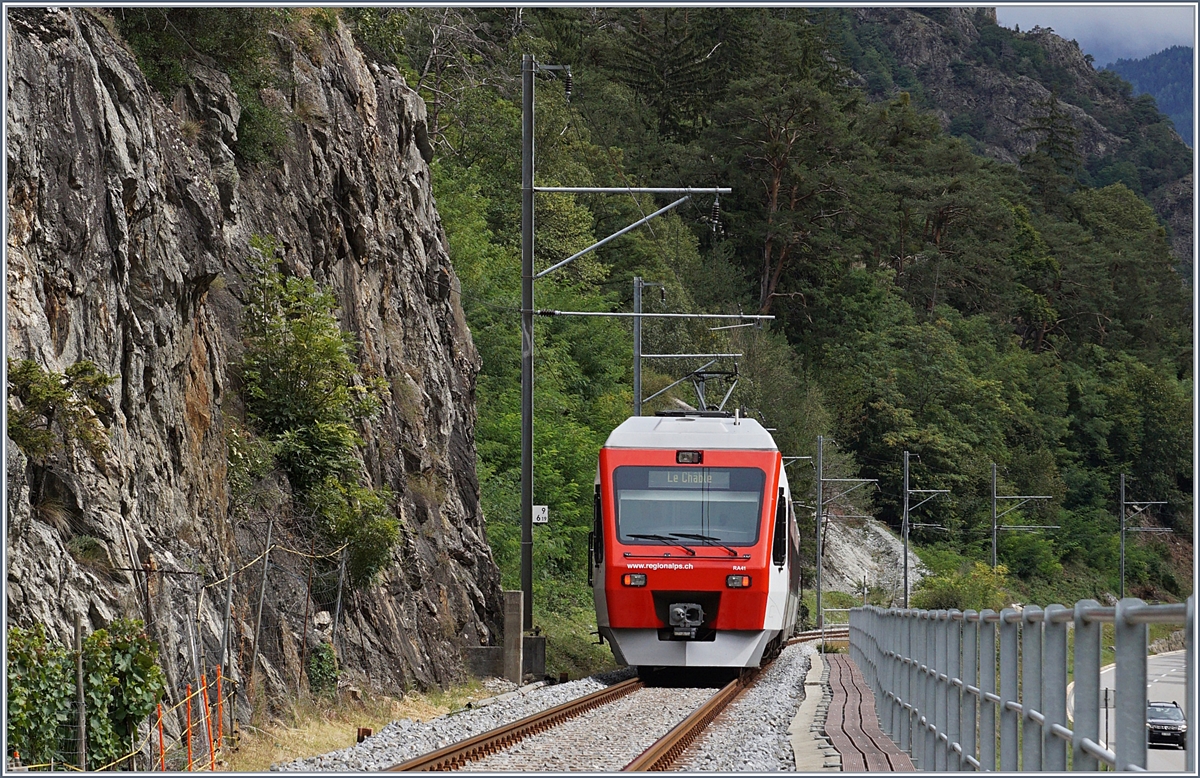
750,735
404,739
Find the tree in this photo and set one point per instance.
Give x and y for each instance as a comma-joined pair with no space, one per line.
1055,161
53,409
305,394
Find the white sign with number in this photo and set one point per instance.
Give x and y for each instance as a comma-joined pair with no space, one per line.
541,514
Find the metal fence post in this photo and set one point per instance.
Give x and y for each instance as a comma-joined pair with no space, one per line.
927,705
940,684
1086,724
917,691
890,625
970,677
80,699
1190,688
906,673
1009,757
1131,640
953,682
987,685
1031,687
1054,686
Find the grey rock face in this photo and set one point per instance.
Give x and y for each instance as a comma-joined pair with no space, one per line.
938,51
127,246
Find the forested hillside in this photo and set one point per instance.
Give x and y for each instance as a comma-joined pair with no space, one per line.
928,297
1167,77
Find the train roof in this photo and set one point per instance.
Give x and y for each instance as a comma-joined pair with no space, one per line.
691,432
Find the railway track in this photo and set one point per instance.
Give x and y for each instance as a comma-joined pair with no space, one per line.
624,705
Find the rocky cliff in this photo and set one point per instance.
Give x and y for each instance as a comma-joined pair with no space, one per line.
129,227
989,87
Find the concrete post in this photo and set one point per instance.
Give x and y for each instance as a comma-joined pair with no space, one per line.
513,633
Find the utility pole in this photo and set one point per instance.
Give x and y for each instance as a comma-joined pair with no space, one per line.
905,525
1140,506
529,69
820,519
637,346
995,517
821,503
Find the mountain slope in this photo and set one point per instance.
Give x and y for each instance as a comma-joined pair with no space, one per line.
990,86
1167,77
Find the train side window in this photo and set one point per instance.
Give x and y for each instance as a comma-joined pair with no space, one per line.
597,529
779,542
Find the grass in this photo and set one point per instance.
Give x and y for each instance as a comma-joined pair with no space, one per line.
311,726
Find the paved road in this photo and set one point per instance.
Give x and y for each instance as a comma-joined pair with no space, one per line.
1166,680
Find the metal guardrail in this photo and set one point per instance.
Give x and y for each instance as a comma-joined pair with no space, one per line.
938,683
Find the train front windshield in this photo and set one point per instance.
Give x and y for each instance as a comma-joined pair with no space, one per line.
723,504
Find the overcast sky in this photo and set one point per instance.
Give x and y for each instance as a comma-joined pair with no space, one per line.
1109,31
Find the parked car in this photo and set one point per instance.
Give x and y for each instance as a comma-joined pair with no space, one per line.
1165,723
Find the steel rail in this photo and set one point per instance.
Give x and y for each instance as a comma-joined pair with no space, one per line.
457,755
667,749
671,745
663,753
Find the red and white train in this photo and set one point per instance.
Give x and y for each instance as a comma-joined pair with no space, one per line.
694,547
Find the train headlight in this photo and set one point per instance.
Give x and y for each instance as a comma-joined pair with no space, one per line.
689,457
634,579
737,581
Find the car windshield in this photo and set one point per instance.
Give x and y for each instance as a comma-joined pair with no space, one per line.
675,505
1163,712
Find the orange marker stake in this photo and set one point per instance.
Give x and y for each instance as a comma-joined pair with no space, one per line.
220,713
188,734
212,760
162,753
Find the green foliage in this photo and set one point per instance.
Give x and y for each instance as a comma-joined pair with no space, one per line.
927,299
238,40
360,517
55,410
975,586
251,459
122,686
323,669
304,394
1167,77
41,687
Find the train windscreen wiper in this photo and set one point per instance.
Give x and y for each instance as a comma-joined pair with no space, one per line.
709,539
664,539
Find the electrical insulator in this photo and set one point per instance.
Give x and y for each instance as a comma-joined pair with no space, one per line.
716,213
567,84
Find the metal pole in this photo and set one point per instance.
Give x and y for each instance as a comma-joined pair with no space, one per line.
993,515
528,67
262,595
228,618
820,516
307,602
1087,688
80,700
637,346
337,609
1122,536
905,527
1130,714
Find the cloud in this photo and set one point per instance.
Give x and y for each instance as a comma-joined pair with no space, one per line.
1109,32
